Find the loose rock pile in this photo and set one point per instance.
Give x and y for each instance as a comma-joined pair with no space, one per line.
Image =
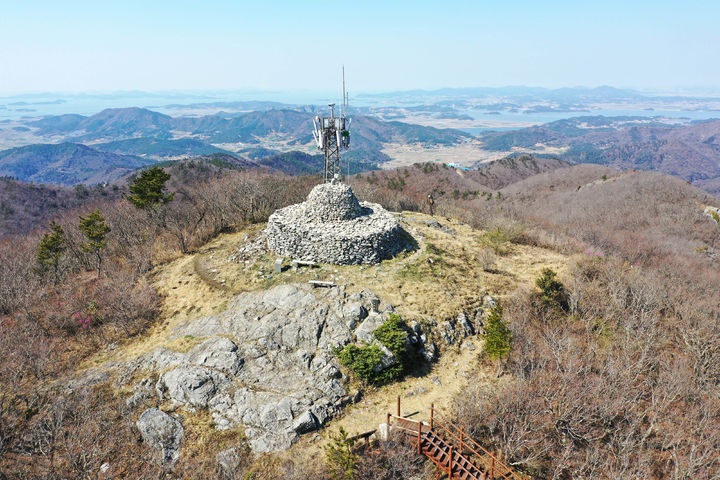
332,226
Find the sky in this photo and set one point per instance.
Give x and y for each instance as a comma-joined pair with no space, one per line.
160,45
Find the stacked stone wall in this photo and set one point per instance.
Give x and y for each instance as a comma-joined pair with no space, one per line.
332,226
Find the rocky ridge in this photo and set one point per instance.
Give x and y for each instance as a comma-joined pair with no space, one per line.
266,363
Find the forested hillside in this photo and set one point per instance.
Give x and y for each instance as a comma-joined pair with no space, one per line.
691,152
600,360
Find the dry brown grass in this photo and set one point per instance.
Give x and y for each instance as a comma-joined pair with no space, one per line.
443,277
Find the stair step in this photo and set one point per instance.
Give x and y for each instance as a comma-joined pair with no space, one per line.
438,450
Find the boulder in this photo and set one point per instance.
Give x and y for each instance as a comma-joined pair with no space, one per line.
304,423
364,332
229,461
353,313
162,432
387,359
190,384
467,328
218,353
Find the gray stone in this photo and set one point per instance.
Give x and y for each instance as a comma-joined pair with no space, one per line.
278,265
159,359
383,432
333,227
218,353
435,224
353,314
192,385
140,397
387,359
448,332
364,332
306,422
429,352
229,461
162,432
462,320
489,302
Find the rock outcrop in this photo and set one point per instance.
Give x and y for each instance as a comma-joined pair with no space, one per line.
333,227
267,363
162,432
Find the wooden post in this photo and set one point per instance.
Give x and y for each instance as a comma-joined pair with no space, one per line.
432,416
419,438
450,463
398,408
461,440
492,466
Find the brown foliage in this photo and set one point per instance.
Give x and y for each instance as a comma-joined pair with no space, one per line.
618,388
624,384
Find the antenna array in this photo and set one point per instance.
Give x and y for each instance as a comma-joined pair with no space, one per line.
332,134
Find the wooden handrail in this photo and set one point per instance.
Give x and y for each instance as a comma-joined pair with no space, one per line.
494,468
419,432
494,465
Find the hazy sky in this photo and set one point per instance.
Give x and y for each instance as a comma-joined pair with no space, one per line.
385,45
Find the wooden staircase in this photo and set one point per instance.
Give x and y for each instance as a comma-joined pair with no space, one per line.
454,453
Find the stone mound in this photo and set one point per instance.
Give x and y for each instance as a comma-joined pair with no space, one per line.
332,226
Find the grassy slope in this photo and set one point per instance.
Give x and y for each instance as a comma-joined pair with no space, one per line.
201,284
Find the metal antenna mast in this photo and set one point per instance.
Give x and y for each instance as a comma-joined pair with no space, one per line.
332,134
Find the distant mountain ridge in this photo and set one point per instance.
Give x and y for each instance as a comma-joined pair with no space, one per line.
691,152
158,147
143,132
125,123
66,164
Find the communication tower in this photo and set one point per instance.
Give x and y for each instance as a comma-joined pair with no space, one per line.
332,134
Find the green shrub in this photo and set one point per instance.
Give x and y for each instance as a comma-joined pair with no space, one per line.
552,291
496,239
340,458
497,334
393,334
365,360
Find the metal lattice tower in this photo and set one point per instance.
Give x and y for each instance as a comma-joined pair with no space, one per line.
331,135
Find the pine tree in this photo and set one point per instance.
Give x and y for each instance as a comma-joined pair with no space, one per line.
552,290
147,191
498,337
95,229
51,249
341,460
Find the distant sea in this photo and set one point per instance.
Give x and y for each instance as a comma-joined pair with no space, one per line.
538,118
42,104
